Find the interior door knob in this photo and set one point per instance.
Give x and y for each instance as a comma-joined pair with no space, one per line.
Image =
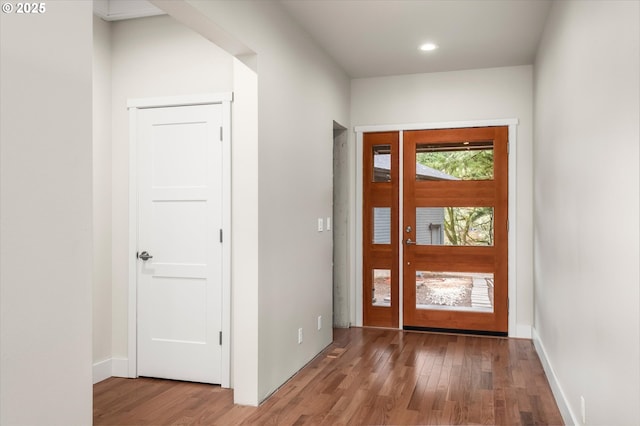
145,256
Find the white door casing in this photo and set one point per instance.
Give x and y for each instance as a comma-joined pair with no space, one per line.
179,320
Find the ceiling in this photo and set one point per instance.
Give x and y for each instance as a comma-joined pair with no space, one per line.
117,10
370,38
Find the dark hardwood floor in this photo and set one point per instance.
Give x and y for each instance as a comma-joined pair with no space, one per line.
366,377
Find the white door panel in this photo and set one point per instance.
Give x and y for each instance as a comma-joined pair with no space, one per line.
179,235
179,218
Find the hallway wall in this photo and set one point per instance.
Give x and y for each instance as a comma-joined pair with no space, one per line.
301,91
102,283
586,179
45,216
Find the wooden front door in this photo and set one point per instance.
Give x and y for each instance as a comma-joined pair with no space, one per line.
452,234
455,229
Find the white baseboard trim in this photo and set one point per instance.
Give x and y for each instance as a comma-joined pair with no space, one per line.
568,416
120,367
113,367
101,371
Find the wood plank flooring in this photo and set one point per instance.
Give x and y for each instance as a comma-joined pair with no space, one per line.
366,377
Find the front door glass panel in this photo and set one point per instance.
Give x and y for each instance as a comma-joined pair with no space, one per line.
381,163
461,291
454,226
381,225
451,161
381,287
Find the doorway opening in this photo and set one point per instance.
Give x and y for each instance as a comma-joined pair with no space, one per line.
341,259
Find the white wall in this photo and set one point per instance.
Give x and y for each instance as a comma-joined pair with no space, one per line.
586,180
45,216
101,191
464,96
151,57
244,233
300,92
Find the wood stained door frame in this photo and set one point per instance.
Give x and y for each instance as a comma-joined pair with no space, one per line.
357,274
382,256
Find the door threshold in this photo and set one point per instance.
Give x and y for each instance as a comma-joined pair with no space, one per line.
456,331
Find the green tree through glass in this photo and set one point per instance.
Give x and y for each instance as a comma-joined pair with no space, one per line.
464,225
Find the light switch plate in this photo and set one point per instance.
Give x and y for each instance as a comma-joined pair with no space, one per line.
320,225
328,224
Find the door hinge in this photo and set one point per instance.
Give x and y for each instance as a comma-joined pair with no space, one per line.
507,225
508,305
221,235
221,133
508,146
220,337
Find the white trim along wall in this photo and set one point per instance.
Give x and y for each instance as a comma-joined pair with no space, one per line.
558,393
134,105
515,329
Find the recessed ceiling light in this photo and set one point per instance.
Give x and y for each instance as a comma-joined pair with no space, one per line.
427,47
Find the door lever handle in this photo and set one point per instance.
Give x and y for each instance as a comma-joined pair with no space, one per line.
409,242
145,256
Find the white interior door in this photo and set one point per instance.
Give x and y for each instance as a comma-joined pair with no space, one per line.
179,224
